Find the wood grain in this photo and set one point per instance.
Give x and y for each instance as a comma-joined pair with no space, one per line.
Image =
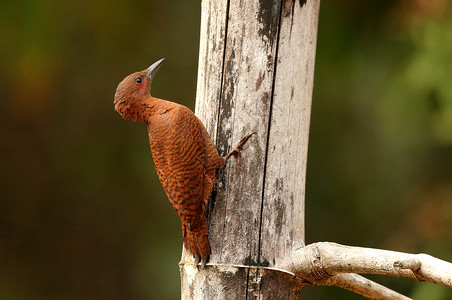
255,73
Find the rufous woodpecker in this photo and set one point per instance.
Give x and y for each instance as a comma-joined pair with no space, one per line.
185,156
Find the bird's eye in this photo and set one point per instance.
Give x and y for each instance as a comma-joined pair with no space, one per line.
139,80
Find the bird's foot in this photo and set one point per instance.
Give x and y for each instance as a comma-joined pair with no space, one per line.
196,263
236,151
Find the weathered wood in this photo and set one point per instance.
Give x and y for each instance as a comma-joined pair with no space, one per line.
319,261
255,74
244,107
210,65
226,282
283,203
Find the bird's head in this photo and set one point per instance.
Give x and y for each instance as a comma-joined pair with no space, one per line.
134,90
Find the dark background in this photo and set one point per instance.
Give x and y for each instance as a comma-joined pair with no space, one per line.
82,215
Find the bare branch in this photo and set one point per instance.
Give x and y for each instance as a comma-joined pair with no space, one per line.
319,261
363,286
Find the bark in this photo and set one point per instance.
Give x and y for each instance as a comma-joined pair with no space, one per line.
256,69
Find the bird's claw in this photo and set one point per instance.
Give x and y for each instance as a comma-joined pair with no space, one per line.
237,155
203,261
236,151
196,263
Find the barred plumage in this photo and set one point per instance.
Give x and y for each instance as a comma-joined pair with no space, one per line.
183,152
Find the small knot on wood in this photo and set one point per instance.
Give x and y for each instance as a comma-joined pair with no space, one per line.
412,264
314,269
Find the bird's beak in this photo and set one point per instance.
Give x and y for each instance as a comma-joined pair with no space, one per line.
154,68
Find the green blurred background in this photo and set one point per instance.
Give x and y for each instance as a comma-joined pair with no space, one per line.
82,215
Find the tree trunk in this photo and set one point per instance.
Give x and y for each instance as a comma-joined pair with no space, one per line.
256,69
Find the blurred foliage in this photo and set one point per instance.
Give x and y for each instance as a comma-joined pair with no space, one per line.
380,163
82,215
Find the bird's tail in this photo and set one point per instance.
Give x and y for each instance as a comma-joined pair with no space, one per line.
196,240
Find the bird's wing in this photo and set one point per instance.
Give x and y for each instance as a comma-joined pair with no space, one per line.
181,160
